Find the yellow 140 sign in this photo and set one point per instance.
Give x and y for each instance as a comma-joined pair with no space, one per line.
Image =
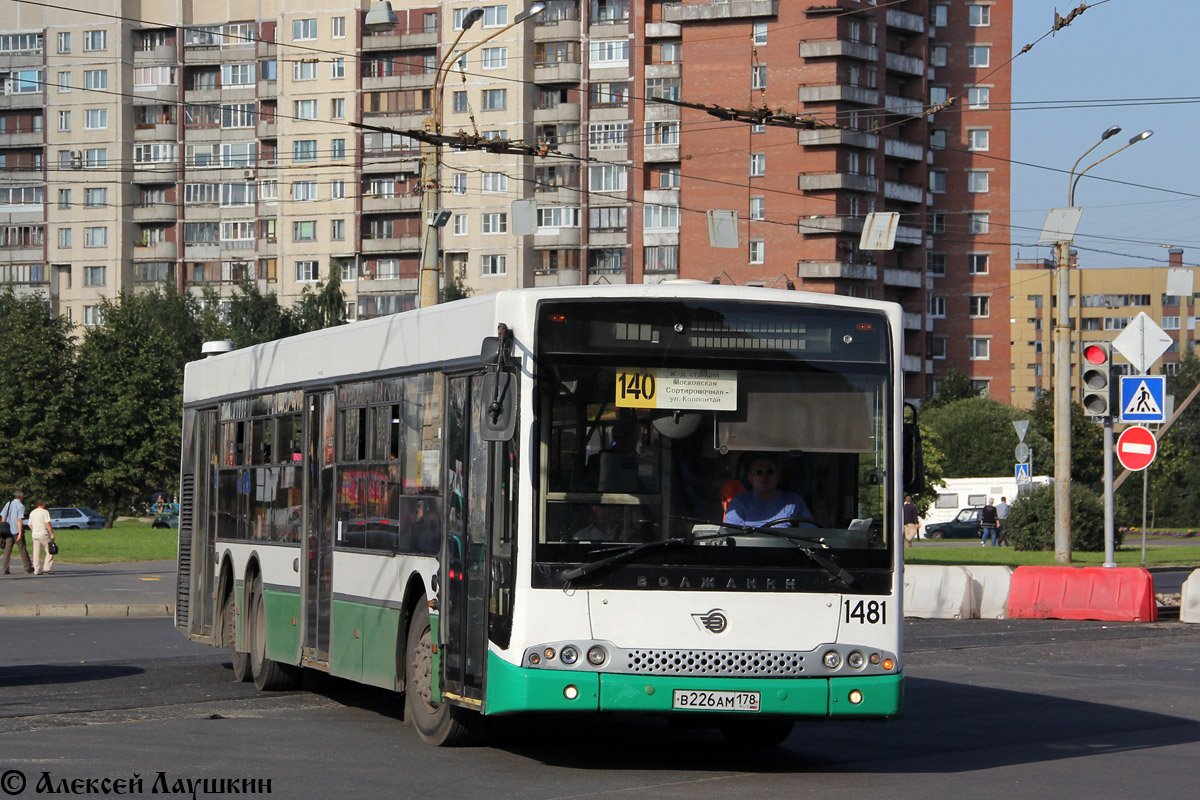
714,389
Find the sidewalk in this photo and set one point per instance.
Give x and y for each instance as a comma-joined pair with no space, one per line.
132,589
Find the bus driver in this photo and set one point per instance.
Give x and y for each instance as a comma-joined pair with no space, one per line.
766,502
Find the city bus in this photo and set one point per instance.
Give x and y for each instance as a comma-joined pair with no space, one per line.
514,504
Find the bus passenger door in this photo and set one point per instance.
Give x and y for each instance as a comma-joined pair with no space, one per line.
317,577
463,624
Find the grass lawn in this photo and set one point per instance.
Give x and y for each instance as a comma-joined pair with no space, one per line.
129,540
1128,555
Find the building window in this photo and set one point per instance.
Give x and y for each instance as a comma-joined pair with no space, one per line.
92,316
94,276
977,181
95,237
495,57
665,88
937,223
64,121
758,165
95,197
610,93
979,348
304,150
95,79
935,264
977,263
608,135
668,178
937,95
337,28
660,217
304,191
95,119
304,231
337,230
495,99
760,33
978,306
306,271
304,30
978,139
937,347
609,52
349,271
337,67
937,139
607,178
662,133
608,219
459,183
937,55
64,82
64,238
495,223
977,223
494,265
337,108
979,16
758,251
337,149
64,198
306,109
304,70
558,217
460,227
758,208
937,306
937,180
337,190
663,258
939,15
608,11
64,43
495,183
758,76
95,40
978,97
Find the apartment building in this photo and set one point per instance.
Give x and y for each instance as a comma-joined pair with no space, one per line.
206,143
1102,303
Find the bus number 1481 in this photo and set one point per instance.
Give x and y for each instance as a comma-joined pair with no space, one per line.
873,612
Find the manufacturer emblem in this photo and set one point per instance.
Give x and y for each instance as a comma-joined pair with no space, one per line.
714,621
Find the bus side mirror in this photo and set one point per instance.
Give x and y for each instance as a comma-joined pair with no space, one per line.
914,455
490,351
498,407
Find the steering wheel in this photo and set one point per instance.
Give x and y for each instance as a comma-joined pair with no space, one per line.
792,522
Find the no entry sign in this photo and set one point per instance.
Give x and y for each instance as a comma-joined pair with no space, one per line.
1136,448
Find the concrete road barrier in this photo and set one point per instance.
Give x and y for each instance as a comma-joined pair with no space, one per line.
1189,599
935,592
1120,594
991,586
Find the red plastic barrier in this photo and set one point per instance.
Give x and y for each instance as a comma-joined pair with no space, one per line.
1119,594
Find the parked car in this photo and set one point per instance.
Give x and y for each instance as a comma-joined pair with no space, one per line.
75,517
168,520
964,526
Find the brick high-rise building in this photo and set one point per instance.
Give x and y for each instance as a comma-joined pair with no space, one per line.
202,144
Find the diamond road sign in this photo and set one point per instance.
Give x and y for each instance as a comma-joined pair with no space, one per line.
1142,342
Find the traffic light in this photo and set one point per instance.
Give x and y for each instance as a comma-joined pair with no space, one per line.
1097,379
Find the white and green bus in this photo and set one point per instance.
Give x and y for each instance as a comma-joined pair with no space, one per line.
514,504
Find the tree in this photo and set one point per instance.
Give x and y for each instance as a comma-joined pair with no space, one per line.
130,394
977,438
323,307
255,317
955,386
456,286
37,415
1173,495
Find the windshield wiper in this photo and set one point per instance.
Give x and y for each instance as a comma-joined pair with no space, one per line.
625,555
834,570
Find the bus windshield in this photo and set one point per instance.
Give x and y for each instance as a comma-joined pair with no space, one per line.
692,423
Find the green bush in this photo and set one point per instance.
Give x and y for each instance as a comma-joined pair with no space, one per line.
1030,522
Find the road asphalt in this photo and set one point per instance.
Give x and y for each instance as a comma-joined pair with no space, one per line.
147,589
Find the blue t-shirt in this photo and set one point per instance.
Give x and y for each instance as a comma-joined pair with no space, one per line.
749,509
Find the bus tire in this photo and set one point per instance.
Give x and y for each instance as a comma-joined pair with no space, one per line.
438,724
269,675
241,661
757,733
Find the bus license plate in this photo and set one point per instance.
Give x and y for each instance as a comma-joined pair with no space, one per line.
715,701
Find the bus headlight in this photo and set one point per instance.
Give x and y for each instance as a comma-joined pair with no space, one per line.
856,660
832,659
569,654
597,656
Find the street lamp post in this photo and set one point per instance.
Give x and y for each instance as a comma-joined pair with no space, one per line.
1062,363
430,152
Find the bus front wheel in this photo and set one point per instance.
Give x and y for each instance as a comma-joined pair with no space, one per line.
438,724
268,675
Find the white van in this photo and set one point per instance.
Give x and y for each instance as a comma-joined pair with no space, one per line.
960,493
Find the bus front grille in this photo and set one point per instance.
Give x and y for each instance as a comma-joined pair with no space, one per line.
762,663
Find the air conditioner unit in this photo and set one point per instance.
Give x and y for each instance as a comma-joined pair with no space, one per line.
76,159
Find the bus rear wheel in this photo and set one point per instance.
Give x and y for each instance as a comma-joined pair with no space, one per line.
241,661
438,724
268,675
757,733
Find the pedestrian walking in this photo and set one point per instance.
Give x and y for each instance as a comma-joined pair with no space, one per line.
43,538
1001,515
987,522
911,521
13,516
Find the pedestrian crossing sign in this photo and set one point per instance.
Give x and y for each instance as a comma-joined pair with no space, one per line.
1143,398
1022,473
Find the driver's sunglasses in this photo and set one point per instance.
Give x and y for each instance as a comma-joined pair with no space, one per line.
762,472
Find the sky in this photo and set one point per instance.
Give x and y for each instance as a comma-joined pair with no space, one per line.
1133,63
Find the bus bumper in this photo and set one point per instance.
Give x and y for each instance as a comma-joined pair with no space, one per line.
512,689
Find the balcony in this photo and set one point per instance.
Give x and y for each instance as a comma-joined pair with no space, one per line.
23,254
23,100
898,148
822,138
904,192
908,278
912,322
720,9
266,128
659,112
563,112
23,174
663,30
655,153
836,270
159,212
23,137
401,41
558,277
837,180
411,80
160,55
904,105
23,60
391,245
833,93
905,64
155,133
561,30
159,251
563,237
403,202
561,72
908,235
905,21
838,48
376,162
608,238
820,225
911,363
265,49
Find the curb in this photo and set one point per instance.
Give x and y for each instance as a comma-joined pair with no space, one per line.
95,610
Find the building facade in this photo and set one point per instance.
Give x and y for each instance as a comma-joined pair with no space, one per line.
1111,298
207,143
